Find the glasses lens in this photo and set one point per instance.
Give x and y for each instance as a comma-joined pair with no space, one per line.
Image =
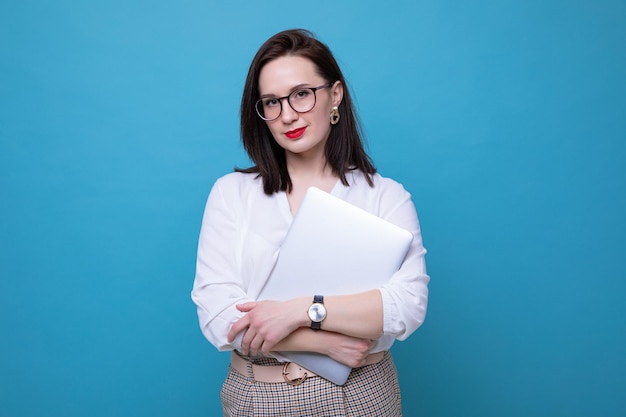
268,108
302,100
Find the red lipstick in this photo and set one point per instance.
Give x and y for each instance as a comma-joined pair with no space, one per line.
296,133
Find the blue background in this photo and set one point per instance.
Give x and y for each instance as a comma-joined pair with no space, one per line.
506,120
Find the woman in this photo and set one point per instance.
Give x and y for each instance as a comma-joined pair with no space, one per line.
299,128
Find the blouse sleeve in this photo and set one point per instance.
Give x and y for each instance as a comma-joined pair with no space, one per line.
405,296
218,286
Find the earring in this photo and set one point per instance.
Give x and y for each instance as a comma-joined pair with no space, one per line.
334,116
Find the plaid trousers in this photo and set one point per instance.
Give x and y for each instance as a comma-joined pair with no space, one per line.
371,391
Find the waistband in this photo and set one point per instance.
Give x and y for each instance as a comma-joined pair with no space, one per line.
288,372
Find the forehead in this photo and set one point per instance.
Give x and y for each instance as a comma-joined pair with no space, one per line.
282,74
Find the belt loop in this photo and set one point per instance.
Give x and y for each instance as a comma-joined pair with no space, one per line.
249,369
248,363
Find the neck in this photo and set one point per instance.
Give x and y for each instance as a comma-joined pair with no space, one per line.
308,166
305,173
310,172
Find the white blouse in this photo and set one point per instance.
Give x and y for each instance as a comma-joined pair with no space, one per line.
243,228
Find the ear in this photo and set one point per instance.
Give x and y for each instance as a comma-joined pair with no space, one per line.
337,93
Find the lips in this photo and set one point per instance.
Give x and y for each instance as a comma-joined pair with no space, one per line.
296,133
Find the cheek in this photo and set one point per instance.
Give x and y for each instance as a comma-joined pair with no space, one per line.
273,130
322,118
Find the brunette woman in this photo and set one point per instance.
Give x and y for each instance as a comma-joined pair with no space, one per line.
299,128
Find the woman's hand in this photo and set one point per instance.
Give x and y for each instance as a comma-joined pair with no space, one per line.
348,350
266,323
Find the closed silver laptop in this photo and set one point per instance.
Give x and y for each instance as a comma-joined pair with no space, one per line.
332,248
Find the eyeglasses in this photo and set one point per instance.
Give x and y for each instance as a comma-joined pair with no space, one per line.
301,100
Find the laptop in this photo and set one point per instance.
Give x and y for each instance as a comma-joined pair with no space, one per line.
333,247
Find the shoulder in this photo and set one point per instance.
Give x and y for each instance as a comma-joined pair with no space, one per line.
236,187
388,184
237,179
383,197
381,185
238,182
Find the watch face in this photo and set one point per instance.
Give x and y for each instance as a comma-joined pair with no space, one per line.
317,312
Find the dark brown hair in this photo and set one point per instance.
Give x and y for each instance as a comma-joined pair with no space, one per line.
344,148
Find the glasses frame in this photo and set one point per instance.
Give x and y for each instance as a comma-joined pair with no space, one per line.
288,97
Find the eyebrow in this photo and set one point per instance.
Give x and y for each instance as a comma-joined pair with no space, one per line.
297,87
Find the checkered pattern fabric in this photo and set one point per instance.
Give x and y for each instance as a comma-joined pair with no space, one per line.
370,391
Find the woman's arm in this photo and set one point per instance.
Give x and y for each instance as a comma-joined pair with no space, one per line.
217,287
348,350
269,322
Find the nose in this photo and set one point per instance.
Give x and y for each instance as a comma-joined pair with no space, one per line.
288,114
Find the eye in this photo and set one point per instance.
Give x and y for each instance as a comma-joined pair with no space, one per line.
300,94
270,102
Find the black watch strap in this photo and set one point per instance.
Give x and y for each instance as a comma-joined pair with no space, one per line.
316,325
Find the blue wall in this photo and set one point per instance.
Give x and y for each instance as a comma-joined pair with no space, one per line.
505,120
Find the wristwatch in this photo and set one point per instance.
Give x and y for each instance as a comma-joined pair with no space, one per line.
317,312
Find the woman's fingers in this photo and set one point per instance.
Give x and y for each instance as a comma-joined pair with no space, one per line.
240,325
246,307
265,323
